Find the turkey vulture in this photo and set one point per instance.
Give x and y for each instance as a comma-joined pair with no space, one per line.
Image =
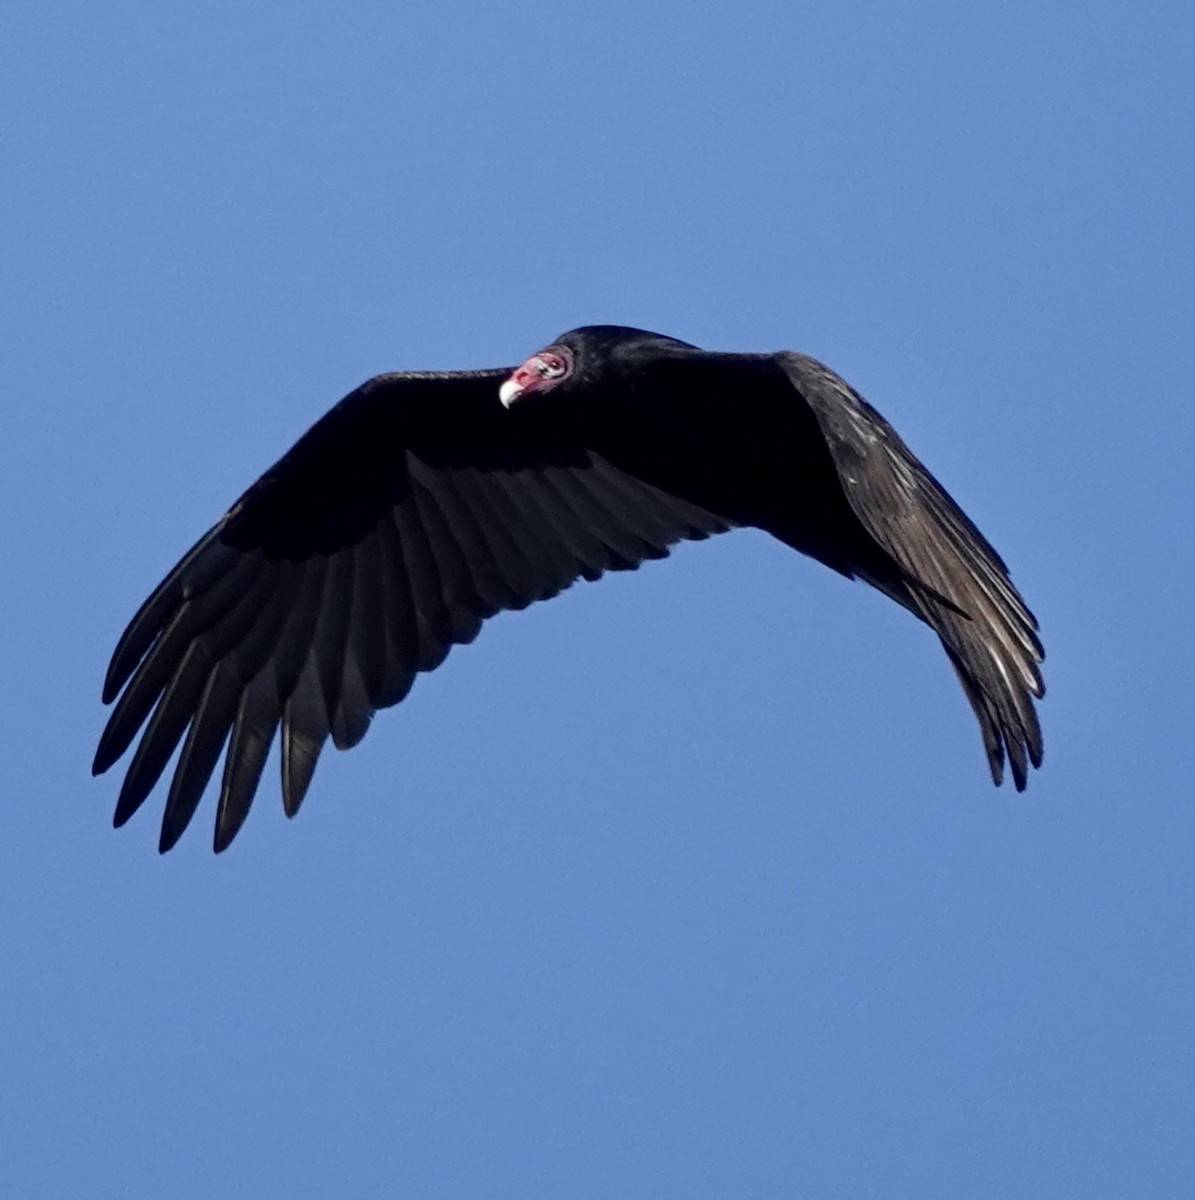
425,502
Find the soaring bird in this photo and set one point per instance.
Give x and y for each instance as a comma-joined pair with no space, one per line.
425,502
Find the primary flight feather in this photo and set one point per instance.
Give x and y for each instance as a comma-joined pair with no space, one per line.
424,503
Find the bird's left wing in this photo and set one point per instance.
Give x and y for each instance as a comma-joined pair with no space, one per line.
410,513
949,573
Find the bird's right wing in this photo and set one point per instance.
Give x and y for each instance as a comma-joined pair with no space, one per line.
953,577
410,513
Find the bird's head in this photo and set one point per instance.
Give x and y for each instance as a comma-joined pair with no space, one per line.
543,371
594,357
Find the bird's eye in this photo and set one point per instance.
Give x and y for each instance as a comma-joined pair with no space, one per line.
550,366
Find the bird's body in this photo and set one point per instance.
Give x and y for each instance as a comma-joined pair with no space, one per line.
424,503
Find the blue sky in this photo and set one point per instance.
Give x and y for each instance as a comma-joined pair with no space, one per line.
692,882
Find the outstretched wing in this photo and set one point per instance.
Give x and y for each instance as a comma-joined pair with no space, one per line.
949,574
410,513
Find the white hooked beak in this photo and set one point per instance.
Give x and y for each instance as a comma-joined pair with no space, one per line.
510,391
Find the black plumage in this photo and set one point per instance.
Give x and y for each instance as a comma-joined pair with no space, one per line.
424,503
